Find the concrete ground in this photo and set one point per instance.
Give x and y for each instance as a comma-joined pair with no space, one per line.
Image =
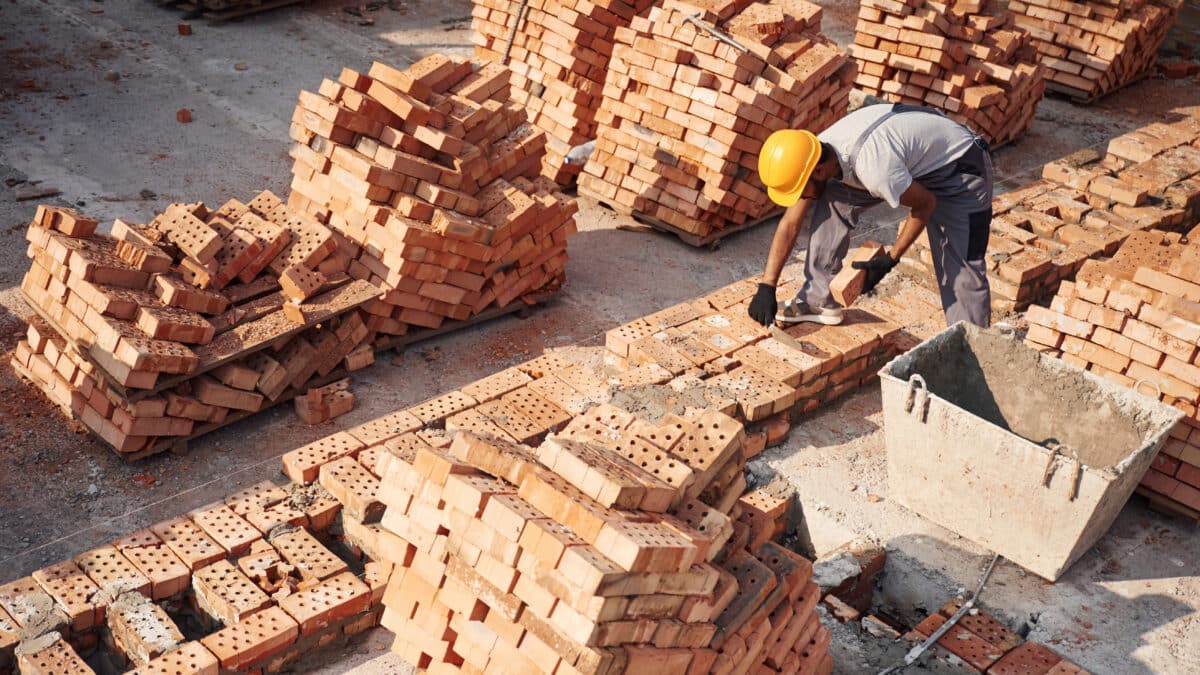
88,95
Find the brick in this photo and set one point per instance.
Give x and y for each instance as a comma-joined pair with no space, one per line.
337,598
847,285
227,594
56,658
192,658
255,497
112,572
311,559
303,465
354,487
188,542
141,628
225,527
299,283
1030,657
74,593
256,638
168,574
26,603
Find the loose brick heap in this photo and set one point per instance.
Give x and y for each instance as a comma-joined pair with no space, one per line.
1085,206
1135,320
425,173
146,337
684,115
964,57
981,643
559,59
260,572
1091,48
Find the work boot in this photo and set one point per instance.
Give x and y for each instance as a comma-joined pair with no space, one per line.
797,311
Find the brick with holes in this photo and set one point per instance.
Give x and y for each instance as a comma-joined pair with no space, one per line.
226,594
229,530
303,465
257,637
317,607
168,574
313,562
192,658
355,487
188,541
74,593
141,629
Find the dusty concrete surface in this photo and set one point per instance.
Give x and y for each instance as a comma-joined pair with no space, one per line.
88,95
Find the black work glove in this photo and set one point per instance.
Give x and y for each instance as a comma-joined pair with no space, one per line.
764,306
877,268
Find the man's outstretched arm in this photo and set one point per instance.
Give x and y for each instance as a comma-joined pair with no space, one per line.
764,305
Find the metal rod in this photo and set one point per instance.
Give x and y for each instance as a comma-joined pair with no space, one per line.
916,652
694,19
512,34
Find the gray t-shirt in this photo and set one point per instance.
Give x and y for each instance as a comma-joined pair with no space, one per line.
908,145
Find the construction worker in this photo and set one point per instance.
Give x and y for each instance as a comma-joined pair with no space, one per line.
899,154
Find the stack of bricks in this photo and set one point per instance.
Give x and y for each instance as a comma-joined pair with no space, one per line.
981,643
1092,48
559,58
1085,206
713,347
532,538
684,114
963,57
259,574
321,404
430,177
145,337
1135,320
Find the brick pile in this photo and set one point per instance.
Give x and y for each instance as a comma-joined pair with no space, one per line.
1092,48
1085,206
965,57
1135,320
430,177
559,59
685,115
162,331
981,643
260,574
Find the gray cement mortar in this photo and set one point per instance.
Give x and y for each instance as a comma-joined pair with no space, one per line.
99,124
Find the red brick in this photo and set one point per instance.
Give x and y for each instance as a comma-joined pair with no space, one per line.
73,591
167,573
259,636
311,559
194,547
227,594
1030,658
303,464
355,487
229,530
141,629
111,571
192,658
328,602
1187,473
55,659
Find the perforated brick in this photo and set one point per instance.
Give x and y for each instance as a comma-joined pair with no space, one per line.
495,386
474,422
646,547
192,658
757,395
510,420
74,592
543,365
26,602
259,636
387,427
227,594
189,542
332,600
112,572
55,659
665,435
312,560
438,409
283,513
655,461
617,340
712,441
10,635
557,391
141,629
708,521
167,573
303,464
1027,659
355,487
984,625
603,474
255,498
230,531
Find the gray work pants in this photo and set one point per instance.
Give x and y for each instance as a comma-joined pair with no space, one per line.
958,234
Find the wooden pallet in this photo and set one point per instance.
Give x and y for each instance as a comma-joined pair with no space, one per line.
1073,96
197,9
711,241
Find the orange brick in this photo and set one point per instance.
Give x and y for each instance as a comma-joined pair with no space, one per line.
258,637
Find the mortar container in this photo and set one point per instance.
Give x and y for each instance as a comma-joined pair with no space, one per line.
1020,452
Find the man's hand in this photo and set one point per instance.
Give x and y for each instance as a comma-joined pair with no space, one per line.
764,305
877,268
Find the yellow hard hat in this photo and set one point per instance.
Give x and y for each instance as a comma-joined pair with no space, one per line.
786,162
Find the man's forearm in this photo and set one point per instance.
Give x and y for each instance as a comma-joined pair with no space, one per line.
783,242
909,230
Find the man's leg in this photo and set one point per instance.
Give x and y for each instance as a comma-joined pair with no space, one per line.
833,215
958,235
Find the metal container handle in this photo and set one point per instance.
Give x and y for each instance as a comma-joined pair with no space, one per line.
1147,380
1069,453
912,401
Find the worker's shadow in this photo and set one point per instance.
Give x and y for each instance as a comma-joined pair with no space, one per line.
1079,617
